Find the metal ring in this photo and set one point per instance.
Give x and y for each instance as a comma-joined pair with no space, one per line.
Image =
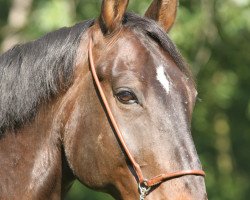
144,190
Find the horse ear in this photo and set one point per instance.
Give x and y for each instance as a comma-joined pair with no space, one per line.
164,12
112,13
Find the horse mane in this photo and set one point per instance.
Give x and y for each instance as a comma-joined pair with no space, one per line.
33,73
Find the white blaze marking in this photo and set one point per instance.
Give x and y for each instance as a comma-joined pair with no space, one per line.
161,77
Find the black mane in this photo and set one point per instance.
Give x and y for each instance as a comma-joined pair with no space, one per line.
34,72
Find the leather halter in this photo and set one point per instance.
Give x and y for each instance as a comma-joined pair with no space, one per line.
144,184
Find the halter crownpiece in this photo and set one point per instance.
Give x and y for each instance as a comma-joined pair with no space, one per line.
144,184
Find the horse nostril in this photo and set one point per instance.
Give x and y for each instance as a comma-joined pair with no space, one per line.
186,185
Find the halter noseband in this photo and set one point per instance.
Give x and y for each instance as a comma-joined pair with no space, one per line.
144,184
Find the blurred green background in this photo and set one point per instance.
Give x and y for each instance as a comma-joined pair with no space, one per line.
214,37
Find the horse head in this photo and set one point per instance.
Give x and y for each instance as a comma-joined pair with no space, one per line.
151,94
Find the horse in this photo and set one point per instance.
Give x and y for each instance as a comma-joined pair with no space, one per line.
107,101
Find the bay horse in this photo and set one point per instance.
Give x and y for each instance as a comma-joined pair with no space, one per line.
107,101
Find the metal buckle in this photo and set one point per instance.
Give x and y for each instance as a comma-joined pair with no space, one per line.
144,190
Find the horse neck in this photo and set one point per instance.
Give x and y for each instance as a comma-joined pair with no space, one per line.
33,162
31,159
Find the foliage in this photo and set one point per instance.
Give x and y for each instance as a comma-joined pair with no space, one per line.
214,37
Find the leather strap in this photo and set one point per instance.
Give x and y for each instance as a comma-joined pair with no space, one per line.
155,180
164,177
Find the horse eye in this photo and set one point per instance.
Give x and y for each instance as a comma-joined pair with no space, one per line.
126,97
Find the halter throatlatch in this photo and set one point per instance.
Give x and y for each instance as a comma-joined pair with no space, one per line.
144,184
